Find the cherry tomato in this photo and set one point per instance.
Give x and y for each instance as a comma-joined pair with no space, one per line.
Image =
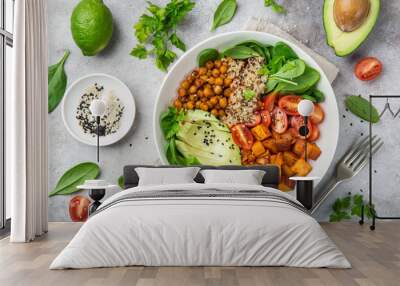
256,120
296,123
265,117
314,134
79,208
368,68
317,116
242,136
269,101
279,120
289,104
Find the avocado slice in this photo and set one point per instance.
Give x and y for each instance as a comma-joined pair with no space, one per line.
345,43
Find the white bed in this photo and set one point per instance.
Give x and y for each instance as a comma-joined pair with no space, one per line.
267,229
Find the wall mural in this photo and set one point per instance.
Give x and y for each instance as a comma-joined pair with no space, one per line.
232,100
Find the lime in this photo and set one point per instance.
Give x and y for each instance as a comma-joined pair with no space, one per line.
91,26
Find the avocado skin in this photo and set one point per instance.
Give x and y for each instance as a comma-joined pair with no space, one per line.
325,23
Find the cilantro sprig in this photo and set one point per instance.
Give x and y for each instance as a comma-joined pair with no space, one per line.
157,31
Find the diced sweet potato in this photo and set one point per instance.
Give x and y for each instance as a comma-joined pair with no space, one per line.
283,144
289,158
301,167
270,144
277,159
287,171
287,135
286,184
298,148
263,161
258,148
261,132
313,151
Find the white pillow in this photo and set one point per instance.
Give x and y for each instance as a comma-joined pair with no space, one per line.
247,177
165,176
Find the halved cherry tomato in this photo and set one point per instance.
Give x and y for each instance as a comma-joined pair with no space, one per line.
256,120
297,122
314,135
269,101
368,68
265,117
289,104
279,120
242,136
317,116
79,208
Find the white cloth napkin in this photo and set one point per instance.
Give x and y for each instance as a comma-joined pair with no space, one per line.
262,25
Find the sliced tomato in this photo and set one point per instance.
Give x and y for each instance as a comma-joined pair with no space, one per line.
314,135
242,136
269,101
279,120
317,116
79,208
289,104
296,123
265,117
256,120
368,68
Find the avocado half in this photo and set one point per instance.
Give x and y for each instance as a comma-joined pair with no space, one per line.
345,43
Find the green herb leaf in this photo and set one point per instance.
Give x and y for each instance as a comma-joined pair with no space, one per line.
224,13
370,210
248,94
207,55
274,6
74,177
170,121
121,182
339,216
177,42
362,108
240,53
57,82
139,52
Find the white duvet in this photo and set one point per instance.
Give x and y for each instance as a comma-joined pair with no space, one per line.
200,231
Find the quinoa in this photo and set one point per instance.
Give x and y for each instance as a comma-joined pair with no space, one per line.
246,77
109,122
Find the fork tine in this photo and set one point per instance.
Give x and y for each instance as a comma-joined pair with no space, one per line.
364,162
361,150
362,154
354,150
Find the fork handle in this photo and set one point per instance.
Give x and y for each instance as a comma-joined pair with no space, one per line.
331,186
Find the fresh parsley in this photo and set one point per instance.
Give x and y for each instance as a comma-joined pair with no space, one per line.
248,94
274,6
346,207
158,30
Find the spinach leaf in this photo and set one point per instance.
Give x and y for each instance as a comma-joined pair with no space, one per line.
57,82
74,177
121,182
307,80
224,13
240,53
248,94
262,50
362,108
207,55
315,95
274,6
291,69
282,49
170,121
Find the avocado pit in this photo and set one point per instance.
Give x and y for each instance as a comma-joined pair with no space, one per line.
350,14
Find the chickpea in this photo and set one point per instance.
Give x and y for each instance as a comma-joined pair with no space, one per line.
223,102
219,81
208,92
195,73
221,113
198,104
223,69
202,71
204,77
204,106
190,105
209,73
217,63
214,112
185,84
193,89
190,79
192,97
182,92
214,100
218,89
211,80
227,82
200,93
178,104
203,99
210,105
198,82
209,65
228,92
215,72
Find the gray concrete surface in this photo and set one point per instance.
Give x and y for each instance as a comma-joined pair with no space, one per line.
303,20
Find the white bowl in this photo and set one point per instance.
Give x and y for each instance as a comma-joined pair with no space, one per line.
329,128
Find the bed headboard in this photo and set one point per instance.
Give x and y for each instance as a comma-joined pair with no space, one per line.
271,177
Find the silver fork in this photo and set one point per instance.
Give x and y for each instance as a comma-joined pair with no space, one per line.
350,165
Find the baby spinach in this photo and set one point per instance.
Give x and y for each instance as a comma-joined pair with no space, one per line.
286,74
315,95
240,53
282,49
207,55
307,80
362,108
262,50
57,82
74,177
224,13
